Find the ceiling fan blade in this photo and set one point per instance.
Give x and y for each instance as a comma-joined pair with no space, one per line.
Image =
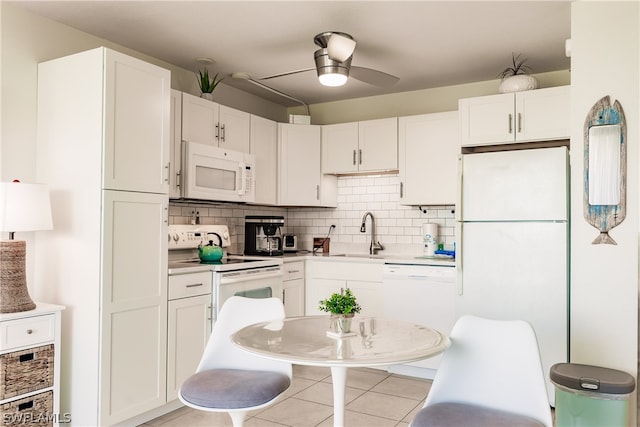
373,77
340,48
288,73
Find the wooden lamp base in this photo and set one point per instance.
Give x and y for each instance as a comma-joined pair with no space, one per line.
14,296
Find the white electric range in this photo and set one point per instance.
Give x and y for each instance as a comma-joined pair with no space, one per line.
254,277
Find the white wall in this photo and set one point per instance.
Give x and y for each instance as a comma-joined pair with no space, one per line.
604,278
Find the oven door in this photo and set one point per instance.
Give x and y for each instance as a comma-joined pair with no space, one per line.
254,283
213,173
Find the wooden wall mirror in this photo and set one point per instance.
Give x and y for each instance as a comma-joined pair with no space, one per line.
605,168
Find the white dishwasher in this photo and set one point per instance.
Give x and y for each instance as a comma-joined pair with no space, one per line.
422,294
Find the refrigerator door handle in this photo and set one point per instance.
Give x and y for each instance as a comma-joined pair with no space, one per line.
459,245
459,178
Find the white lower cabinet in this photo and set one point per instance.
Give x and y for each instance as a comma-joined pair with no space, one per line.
293,288
324,278
189,329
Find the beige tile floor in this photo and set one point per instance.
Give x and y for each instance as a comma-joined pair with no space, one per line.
374,398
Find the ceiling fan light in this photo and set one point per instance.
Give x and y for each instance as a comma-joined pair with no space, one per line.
332,79
330,72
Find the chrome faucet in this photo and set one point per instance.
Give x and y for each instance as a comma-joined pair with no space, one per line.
375,245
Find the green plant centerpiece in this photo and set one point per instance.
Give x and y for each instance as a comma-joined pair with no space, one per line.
206,83
516,78
342,306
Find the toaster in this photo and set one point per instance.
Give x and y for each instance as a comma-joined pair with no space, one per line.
290,243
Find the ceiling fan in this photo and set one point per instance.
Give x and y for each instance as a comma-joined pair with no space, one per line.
333,63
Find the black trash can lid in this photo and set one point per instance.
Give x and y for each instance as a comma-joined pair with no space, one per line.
592,378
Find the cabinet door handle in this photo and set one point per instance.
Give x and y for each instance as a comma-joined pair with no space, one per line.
510,123
317,192
195,285
401,189
284,296
292,271
166,173
29,331
210,308
217,131
178,179
224,133
519,122
360,156
354,157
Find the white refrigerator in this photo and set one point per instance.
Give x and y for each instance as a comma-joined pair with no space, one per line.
512,243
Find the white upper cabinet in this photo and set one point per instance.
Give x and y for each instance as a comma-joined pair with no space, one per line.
136,111
429,145
264,141
208,122
300,182
535,115
366,146
175,157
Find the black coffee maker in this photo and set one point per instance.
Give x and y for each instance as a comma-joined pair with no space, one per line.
263,235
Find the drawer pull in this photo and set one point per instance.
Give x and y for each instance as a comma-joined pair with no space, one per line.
29,331
26,357
292,271
195,285
25,405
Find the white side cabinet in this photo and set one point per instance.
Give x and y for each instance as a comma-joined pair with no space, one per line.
293,288
30,366
111,111
264,145
323,278
535,115
428,150
300,182
189,326
366,146
208,122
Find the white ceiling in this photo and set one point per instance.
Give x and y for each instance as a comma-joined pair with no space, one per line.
425,43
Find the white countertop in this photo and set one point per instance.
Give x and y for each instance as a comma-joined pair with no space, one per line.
364,257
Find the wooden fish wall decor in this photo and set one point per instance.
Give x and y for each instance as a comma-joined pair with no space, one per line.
605,168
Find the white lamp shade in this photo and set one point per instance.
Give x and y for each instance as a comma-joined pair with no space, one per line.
340,48
24,207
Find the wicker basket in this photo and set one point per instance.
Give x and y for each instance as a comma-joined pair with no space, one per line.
36,410
25,371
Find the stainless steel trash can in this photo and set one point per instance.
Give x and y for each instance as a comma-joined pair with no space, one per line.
591,396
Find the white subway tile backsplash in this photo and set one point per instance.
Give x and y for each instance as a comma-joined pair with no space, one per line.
398,228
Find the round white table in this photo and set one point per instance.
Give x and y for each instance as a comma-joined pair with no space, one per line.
374,342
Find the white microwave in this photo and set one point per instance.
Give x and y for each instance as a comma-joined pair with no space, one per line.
213,173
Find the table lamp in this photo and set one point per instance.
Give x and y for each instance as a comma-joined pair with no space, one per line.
23,207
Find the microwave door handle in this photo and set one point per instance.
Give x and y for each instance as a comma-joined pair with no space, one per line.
243,179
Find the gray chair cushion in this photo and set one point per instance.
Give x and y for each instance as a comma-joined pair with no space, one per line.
451,414
232,388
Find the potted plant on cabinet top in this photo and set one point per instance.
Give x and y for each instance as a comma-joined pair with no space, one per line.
343,307
515,78
207,84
